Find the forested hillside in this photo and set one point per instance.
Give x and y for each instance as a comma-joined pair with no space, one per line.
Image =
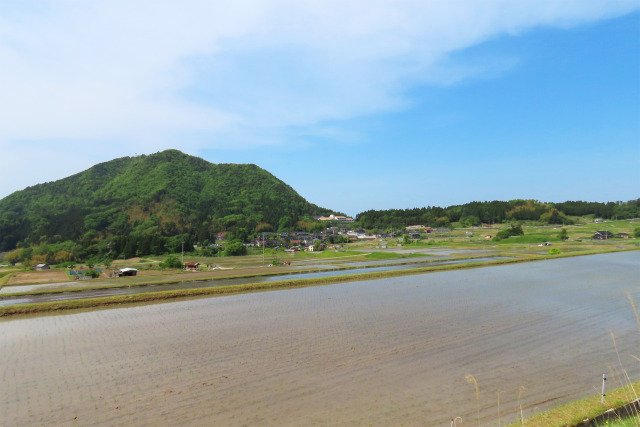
154,197
476,213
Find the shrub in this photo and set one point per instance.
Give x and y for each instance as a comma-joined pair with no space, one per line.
94,274
209,251
554,251
563,235
235,248
67,265
514,230
172,261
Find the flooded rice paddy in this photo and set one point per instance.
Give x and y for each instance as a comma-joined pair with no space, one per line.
382,352
378,266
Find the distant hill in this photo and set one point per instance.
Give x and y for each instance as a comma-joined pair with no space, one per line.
162,194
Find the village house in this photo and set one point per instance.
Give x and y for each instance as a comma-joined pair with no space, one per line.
332,217
602,235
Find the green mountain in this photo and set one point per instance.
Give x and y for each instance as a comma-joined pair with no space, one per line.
163,194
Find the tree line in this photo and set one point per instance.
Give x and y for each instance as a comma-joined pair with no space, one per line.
476,213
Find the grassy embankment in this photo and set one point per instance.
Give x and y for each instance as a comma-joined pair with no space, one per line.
4,277
574,413
627,422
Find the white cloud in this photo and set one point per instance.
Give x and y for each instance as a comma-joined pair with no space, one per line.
140,75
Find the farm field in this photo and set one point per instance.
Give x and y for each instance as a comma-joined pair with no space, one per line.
381,352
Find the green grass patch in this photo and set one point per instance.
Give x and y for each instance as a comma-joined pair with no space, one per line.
531,238
382,255
574,413
4,277
626,422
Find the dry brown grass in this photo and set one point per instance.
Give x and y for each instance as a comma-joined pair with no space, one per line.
32,277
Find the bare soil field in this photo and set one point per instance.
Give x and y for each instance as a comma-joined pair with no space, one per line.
45,276
384,352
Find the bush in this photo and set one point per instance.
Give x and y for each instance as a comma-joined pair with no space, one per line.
563,235
554,251
172,261
94,274
67,265
235,249
514,230
209,251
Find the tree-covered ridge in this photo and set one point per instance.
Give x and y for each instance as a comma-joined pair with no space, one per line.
162,194
476,213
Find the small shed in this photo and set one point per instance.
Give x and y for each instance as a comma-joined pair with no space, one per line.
40,267
192,266
127,272
623,236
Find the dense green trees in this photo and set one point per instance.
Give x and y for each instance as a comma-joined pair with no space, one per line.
152,198
474,213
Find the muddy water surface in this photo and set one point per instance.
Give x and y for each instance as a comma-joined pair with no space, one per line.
383,352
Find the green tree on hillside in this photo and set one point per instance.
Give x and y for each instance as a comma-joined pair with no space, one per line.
563,235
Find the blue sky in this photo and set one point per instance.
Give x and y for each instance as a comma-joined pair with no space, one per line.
357,105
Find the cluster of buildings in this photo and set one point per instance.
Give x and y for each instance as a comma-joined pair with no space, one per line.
605,235
339,218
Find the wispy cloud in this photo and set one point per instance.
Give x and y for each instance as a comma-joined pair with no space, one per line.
142,74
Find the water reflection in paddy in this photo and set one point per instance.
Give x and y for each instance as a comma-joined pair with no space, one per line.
371,352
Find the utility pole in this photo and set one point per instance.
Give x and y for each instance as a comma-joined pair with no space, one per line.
263,248
183,252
